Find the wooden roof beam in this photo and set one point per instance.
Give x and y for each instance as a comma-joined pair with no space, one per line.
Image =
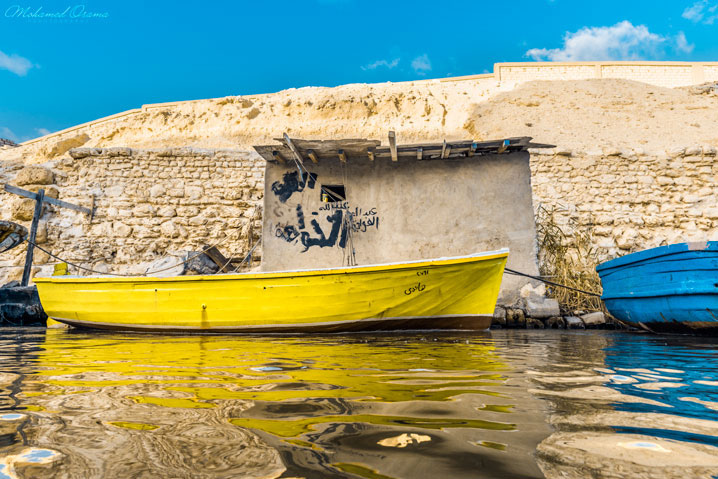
278,157
392,146
313,156
505,144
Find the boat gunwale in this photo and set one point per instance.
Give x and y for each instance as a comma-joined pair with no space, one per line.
653,254
414,264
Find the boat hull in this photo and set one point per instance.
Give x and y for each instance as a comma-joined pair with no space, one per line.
447,293
671,289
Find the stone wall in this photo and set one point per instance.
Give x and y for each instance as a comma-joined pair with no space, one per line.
665,74
149,203
154,202
631,199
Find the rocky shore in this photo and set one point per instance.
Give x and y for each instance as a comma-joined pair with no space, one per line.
518,318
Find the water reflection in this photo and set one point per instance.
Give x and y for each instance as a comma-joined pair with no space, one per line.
204,406
646,409
504,404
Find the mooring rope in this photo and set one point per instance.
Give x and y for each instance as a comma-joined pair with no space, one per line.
90,270
538,278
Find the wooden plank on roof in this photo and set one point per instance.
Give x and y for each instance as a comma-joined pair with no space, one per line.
392,146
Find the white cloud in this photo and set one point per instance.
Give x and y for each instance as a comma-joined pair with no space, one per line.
42,131
8,134
682,44
382,63
15,63
702,11
421,64
622,41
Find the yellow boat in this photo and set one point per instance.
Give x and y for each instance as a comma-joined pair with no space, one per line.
444,293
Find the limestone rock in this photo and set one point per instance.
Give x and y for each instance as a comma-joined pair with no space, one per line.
167,212
157,190
50,191
23,209
499,316
556,322
533,323
169,229
121,230
65,145
594,319
573,322
537,307
143,211
34,175
41,235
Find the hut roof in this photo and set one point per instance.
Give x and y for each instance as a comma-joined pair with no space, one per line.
315,151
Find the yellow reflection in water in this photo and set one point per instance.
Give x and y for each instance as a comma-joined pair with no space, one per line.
154,388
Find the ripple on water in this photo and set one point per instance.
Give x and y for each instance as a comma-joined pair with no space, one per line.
444,405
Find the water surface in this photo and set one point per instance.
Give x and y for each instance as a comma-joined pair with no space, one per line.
501,404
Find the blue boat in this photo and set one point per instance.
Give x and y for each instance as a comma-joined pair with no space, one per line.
671,289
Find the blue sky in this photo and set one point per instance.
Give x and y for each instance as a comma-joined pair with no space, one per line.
58,71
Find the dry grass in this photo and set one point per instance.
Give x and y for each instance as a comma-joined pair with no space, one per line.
567,256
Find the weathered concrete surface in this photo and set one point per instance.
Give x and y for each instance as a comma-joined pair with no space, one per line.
20,306
403,211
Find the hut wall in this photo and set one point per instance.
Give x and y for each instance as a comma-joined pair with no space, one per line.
401,211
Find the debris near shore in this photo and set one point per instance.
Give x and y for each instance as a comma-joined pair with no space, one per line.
20,306
517,318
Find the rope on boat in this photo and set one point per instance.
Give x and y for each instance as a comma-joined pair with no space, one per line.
190,258
249,254
538,278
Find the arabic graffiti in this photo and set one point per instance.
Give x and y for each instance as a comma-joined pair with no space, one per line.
291,183
418,288
341,220
322,241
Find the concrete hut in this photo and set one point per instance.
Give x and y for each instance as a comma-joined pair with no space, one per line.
346,202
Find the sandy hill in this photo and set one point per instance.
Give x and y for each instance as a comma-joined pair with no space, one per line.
598,114
587,114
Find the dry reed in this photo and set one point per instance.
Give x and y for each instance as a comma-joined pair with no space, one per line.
568,256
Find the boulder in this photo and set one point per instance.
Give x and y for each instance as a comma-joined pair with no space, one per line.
23,209
574,322
499,318
556,322
34,175
538,307
594,319
66,144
